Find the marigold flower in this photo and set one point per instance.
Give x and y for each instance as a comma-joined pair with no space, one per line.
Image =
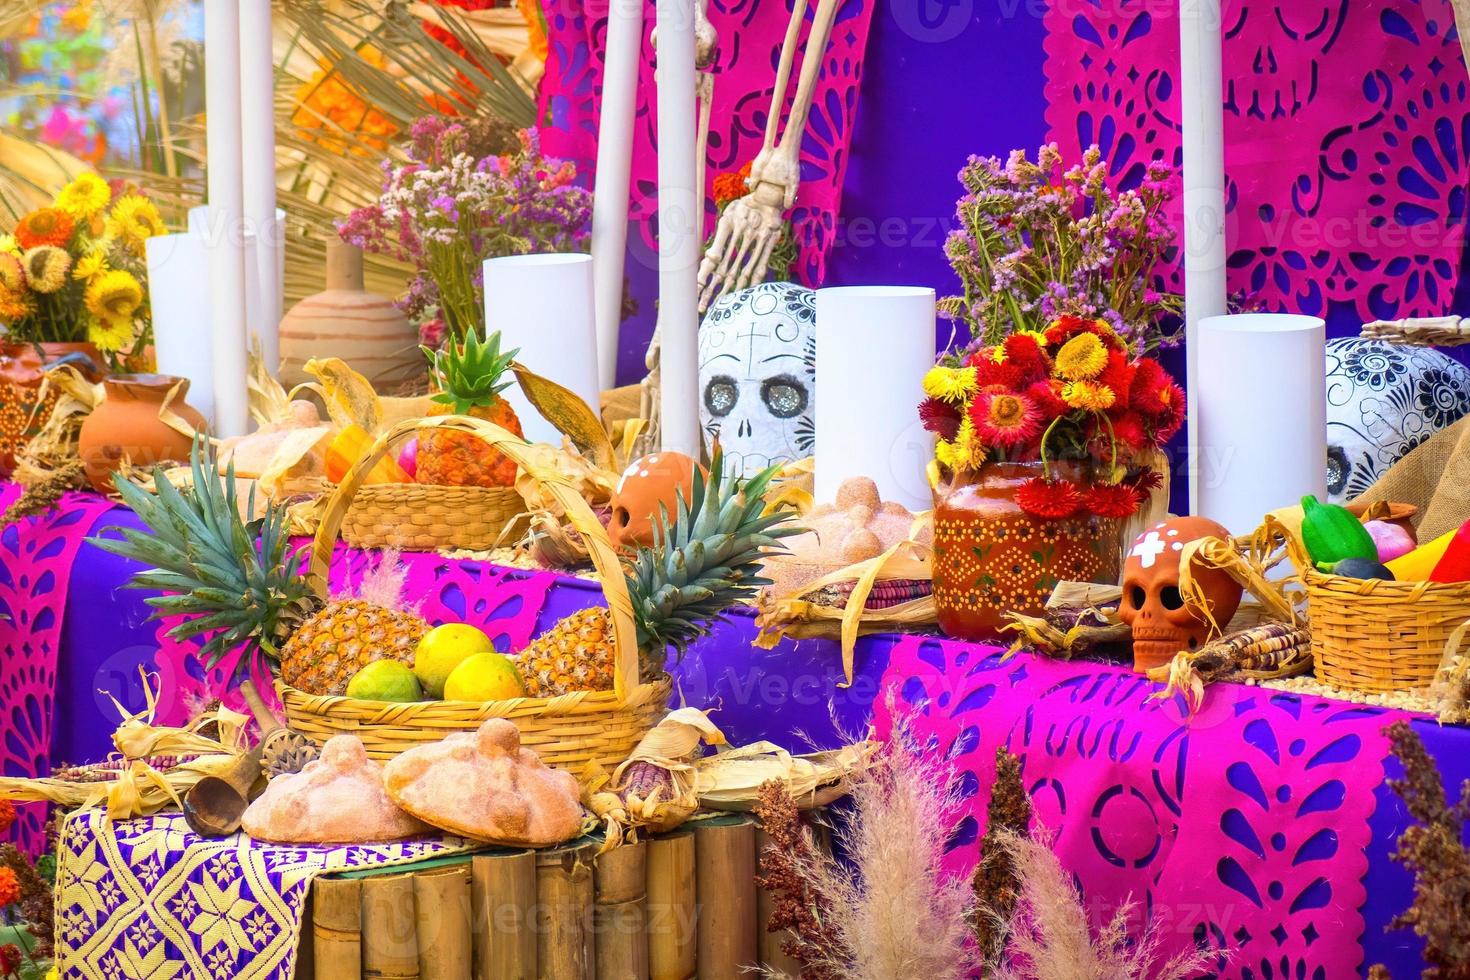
85,196
112,295
133,220
1005,419
46,267
9,887
950,384
1082,358
1049,499
1088,395
46,226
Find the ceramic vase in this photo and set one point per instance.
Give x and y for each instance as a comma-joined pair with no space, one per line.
362,328
128,425
992,558
23,411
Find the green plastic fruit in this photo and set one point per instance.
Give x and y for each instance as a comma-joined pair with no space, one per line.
1331,533
444,648
485,677
385,680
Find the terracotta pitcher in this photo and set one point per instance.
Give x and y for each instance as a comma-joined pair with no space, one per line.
128,424
22,411
993,558
364,329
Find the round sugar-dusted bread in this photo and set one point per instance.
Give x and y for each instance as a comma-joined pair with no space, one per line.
337,799
483,785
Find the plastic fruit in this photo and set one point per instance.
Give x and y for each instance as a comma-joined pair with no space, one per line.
443,649
408,458
1331,533
485,677
1417,565
350,445
1362,568
385,680
1392,540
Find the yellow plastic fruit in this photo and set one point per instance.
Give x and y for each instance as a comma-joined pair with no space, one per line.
385,680
485,677
444,648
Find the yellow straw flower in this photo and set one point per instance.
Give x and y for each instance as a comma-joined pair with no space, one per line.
92,264
15,306
85,196
46,267
133,221
113,294
953,385
111,334
964,452
12,273
1088,395
8,246
1082,358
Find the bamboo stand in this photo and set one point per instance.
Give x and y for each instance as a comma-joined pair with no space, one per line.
337,929
390,945
442,916
725,873
672,950
618,914
565,944
504,916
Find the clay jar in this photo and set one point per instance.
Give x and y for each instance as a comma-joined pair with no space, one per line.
22,368
127,425
992,558
1163,618
650,482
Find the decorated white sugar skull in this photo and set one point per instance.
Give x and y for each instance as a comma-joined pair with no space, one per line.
1382,401
1162,618
757,364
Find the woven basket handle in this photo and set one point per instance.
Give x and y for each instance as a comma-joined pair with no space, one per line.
578,511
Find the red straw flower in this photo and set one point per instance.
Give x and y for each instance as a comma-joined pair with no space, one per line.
1129,431
1005,419
1118,375
991,373
1064,328
939,417
1111,499
1024,352
10,960
1048,397
1149,381
1049,499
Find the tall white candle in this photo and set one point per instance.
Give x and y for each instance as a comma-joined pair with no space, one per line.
258,125
178,290
874,344
542,304
614,167
1200,92
1262,422
678,246
226,200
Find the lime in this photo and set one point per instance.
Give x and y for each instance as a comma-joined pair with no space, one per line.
485,677
385,680
444,648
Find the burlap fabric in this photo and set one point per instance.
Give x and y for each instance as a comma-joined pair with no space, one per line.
1435,477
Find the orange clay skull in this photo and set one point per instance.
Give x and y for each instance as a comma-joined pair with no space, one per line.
653,480
1163,623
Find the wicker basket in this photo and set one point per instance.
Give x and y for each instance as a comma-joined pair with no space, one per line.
421,517
569,731
1376,636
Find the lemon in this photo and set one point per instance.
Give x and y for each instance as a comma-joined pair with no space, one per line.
444,648
385,680
485,677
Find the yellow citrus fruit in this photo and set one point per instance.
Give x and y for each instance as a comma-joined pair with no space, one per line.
385,680
485,677
444,648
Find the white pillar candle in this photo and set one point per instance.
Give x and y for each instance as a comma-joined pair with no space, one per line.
262,219
614,167
178,291
542,304
874,344
1261,400
204,222
226,200
678,245
1203,125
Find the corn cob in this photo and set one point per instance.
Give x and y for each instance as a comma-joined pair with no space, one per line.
1265,652
104,772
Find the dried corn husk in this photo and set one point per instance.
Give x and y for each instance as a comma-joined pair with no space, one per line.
1450,688
1266,652
1062,632
731,780
137,791
138,738
55,445
654,790
793,486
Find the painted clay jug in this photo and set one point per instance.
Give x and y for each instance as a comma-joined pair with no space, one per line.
363,329
992,558
23,411
127,425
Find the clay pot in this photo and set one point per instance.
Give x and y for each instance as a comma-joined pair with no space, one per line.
22,368
649,483
127,425
992,558
363,329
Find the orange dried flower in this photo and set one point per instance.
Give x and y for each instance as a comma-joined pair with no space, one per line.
45,226
9,887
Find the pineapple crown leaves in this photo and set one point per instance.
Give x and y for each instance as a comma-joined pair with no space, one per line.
231,577
469,374
706,560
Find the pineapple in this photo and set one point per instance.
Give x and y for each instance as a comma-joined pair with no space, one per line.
238,586
469,379
709,559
